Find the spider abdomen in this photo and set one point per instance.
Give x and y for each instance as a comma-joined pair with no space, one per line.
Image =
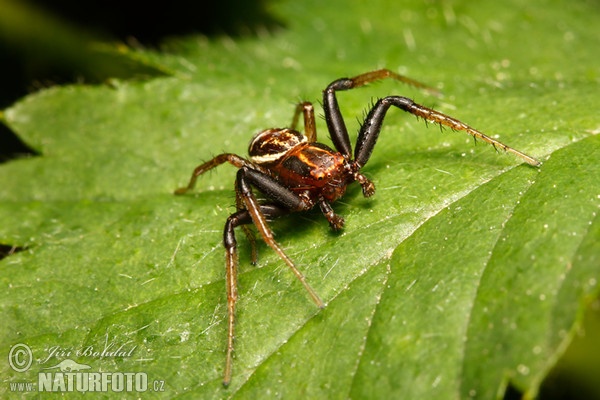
310,168
269,146
315,168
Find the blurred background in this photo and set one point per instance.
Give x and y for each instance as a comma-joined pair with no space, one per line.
51,42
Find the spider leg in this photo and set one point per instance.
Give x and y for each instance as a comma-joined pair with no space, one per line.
239,202
239,218
232,159
258,215
310,128
333,117
272,189
335,221
368,77
369,131
236,161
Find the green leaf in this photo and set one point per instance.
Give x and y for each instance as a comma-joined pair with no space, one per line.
466,271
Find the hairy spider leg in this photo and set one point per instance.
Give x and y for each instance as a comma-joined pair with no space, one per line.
280,194
258,216
335,122
369,131
239,218
252,212
232,159
371,76
310,128
238,162
249,233
335,221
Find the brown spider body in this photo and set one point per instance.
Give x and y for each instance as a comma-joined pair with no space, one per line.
313,171
295,173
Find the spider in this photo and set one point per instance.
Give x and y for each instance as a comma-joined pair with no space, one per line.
295,173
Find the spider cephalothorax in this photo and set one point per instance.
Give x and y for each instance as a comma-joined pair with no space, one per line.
295,173
313,171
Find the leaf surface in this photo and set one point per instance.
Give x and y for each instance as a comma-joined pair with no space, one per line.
466,271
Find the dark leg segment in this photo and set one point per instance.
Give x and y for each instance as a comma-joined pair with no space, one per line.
333,116
258,215
242,218
260,221
369,131
335,122
335,221
272,188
